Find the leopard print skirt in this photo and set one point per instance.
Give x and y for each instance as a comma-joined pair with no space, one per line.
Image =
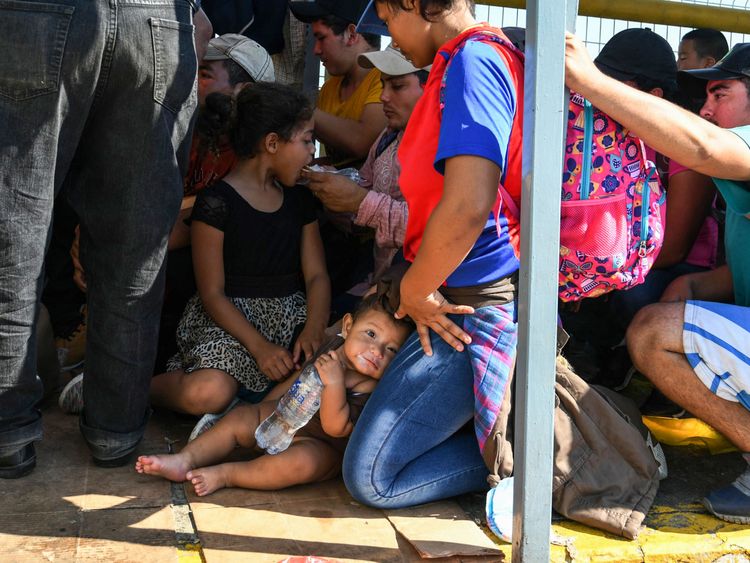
202,344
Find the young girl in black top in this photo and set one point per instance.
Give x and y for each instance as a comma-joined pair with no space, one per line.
258,259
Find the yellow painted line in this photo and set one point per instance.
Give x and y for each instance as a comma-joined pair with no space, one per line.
683,533
189,548
190,553
673,535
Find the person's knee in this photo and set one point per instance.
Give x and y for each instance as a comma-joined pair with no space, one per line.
642,331
209,394
363,492
356,476
655,330
307,468
359,478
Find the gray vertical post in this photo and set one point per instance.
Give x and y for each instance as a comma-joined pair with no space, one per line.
544,115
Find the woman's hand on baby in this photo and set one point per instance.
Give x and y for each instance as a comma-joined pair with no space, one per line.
330,368
308,341
274,361
431,312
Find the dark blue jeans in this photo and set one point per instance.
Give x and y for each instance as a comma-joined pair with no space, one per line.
99,95
412,443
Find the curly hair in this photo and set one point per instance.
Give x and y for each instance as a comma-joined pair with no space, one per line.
428,9
260,108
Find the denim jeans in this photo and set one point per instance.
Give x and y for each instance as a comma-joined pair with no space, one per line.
98,95
410,445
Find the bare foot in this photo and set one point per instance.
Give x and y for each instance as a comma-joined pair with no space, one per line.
172,466
206,480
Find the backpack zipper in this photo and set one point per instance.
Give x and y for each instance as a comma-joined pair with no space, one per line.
645,211
588,137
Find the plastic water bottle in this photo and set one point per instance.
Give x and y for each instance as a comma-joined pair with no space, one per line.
294,410
351,173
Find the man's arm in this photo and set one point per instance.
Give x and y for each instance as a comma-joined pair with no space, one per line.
683,136
353,137
388,216
337,193
713,285
378,211
381,211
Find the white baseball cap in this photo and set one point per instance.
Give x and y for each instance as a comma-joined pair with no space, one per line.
390,61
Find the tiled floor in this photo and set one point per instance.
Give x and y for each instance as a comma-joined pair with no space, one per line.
69,510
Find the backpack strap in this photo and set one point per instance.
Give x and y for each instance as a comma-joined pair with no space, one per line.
485,36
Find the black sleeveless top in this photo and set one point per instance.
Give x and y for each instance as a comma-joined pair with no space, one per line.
261,250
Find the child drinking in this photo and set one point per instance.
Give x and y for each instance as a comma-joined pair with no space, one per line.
258,259
372,336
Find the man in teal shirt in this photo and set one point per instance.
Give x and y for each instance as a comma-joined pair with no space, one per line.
695,344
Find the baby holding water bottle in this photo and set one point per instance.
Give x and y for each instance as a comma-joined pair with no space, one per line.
348,372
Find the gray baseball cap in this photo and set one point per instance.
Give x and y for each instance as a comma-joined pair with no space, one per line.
245,52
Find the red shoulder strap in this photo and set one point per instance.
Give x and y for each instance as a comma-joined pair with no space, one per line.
507,51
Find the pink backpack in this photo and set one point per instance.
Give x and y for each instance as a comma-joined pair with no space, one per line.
611,224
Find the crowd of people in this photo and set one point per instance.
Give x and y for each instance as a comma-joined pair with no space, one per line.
201,254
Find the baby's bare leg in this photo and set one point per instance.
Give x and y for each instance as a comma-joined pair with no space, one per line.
306,461
237,428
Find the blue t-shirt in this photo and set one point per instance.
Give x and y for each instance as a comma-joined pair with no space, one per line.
479,106
737,229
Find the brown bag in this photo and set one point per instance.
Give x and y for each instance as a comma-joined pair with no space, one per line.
605,473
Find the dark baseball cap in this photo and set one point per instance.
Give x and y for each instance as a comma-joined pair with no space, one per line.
370,22
310,10
735,64
637,52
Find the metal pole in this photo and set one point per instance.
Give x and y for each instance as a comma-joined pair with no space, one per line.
544,115
657,12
